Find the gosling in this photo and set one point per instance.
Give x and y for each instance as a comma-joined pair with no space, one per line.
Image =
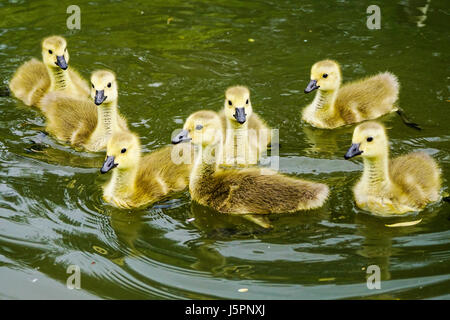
404,184
34,78
241,191
335,106
138,180
86,124
246,136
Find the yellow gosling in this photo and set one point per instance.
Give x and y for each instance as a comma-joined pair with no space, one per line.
140,180
404,184
84,123
34,78
335,106
244,191
246,135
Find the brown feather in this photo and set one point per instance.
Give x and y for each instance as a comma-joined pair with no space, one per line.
71,120
249,191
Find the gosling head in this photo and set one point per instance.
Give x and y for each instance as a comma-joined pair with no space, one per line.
201,128
325,75
238,107
123,151
369,140
54,52
103,87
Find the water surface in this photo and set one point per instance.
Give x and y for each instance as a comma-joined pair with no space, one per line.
173,58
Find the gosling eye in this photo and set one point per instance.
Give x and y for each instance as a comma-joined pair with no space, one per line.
198,127
246,102
65,49
325,75
92,85
369,139
123,150
109,85
230,103
50,51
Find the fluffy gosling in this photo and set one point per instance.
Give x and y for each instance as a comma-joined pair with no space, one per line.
85,124
244,191
34,78
335,106
246,135
404,184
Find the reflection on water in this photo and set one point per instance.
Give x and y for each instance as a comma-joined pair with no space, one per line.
51,210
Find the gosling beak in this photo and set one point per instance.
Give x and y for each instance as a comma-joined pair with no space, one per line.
61,62
353,151
312,85
240,115
99,97
108,164
181,137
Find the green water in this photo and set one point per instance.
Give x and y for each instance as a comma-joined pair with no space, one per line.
51,211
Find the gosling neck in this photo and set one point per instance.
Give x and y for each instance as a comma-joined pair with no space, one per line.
107,118
124,180
206,159
237,139
376,173
59,78
324,101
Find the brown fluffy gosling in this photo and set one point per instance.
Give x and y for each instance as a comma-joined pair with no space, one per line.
34,78
335,106
244,191
404,184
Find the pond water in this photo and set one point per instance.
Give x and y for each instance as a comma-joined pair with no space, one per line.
175,57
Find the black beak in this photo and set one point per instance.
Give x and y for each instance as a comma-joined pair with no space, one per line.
61,62
240,115
99,97
108,164
353,151
181,137
312,85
